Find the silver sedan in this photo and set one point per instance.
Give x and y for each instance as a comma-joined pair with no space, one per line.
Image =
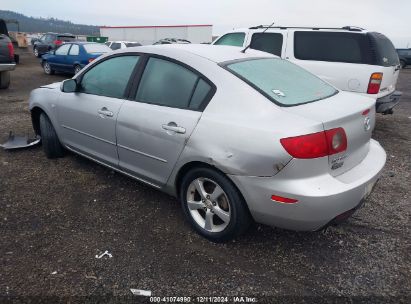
235,136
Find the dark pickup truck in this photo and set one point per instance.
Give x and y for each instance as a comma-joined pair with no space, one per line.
7,61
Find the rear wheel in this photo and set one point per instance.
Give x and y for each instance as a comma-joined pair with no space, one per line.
213,206
36,52
47,68
51,144
4,80
77,69
403,64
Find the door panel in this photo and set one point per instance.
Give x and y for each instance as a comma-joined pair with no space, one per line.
150,138
88,124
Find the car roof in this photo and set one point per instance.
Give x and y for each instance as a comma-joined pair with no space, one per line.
260,28
215,53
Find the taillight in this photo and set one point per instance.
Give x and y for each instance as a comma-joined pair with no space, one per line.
58,42
375,83
315,145
90,60
11,50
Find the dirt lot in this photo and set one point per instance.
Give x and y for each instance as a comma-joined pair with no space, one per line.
56,215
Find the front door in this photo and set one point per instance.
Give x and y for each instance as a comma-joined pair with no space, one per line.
88,117
152,130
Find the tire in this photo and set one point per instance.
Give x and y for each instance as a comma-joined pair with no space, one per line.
36,52
4,80
218,220
47,68
403,64
50,142
77,69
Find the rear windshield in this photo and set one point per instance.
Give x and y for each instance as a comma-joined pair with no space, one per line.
370,48
282,82
96,48
386,54
131,44
66,38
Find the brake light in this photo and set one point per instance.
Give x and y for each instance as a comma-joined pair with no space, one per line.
375,83
316,145
90,60
58,42
11,50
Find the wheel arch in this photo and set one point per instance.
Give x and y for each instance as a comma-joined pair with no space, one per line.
199,164
35,118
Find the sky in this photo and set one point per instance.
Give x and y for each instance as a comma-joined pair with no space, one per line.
390,17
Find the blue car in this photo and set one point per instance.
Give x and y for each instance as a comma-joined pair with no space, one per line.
72,57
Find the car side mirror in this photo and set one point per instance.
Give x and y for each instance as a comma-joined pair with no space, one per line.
69,86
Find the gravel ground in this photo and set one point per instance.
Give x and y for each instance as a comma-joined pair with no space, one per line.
56,215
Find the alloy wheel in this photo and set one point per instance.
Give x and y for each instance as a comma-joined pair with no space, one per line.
36,52
47,68
208,205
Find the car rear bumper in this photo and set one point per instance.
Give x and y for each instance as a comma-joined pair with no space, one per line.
7,67
321,199
387,103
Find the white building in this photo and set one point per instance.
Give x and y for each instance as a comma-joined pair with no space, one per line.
149,34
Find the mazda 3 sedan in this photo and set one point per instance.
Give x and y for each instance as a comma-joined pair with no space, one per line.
235,136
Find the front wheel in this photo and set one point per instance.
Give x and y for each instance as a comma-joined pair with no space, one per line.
50,142
213,205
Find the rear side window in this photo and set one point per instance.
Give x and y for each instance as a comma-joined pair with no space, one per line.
332,46
132,44
75,50
169,84
110,77
233,39
267,42
386,54
280,81
115,46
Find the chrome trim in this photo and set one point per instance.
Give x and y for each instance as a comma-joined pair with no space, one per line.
142,153
89,135
113,168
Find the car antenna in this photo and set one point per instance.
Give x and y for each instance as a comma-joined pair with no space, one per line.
248,46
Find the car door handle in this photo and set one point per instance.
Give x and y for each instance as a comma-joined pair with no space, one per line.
172,126
105,112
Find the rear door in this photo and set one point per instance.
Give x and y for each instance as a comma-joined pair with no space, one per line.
153,128
73,57
88,117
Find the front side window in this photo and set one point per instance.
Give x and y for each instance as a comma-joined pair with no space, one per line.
267,42
281,81
233,39
169,84
63,50
75,50
110,77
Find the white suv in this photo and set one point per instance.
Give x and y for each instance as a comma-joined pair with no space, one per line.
350,58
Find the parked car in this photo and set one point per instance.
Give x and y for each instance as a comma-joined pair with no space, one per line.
116,45
172,41
72,57
7,56
235,136
351,58
50,42
405,57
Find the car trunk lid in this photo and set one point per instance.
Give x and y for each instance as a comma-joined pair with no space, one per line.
355,114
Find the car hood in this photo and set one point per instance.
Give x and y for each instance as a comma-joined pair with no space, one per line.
55,85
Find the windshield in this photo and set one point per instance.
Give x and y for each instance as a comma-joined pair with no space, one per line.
96,48
282,82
